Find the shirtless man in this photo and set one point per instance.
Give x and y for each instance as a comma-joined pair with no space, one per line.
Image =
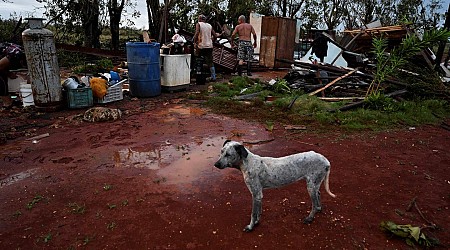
245,48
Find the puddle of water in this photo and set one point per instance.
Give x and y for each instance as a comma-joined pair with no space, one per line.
199,161
146,157
186,111
181,110
175,164
17,177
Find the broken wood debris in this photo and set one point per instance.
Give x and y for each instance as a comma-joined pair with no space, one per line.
38,137
294,127
333,82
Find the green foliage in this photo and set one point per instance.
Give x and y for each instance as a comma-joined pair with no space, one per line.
70,59
378,101
412,235
47,238
7,27
35,200
380,112
237,86
387,64
281,87
111,225
17,213
101,66
407,113
77,209
269,126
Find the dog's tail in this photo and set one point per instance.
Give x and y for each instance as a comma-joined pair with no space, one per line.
327,184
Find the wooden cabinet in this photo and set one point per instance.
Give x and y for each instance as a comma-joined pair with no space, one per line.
277,41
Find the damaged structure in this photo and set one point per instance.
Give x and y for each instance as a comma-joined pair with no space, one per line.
347,69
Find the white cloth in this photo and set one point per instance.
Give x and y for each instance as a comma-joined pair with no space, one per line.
178,38
205,40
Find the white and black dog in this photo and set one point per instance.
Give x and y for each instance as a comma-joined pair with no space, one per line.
267,172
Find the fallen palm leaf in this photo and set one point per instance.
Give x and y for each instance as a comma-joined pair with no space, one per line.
411,234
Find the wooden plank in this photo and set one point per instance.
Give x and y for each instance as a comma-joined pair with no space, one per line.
333,82
269,26
285,41
267,52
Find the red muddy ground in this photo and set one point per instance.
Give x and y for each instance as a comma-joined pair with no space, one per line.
147,181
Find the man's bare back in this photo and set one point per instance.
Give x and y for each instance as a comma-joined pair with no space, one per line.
244,30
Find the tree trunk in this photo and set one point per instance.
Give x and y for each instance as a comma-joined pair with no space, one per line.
284,8
90,15
154,17
115,13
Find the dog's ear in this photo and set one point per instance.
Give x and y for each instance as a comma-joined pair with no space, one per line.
227,141
242,152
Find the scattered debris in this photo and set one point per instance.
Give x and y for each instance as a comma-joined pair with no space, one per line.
100,114
258,141
414,203
410,233
35,138
294,127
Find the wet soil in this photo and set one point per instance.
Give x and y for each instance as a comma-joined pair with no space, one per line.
147,181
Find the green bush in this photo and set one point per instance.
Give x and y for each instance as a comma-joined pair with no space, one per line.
101,66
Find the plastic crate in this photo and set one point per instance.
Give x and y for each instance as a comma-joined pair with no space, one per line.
114,93
79,98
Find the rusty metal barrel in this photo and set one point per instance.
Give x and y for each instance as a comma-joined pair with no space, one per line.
42,61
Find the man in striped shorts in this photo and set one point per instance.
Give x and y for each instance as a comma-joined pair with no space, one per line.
245,48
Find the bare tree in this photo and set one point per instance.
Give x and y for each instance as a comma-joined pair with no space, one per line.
332,12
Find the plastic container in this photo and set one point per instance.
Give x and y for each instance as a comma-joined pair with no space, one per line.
79,98
114,76
114,93
26,94
176,70
40,51
143,69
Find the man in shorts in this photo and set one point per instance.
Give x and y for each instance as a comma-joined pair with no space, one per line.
245,48
204,42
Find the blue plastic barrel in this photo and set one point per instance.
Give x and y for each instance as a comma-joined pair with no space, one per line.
144,74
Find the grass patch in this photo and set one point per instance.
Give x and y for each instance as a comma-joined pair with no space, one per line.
379,113
33,202
111,225
77,209
17,213
45,238
87,239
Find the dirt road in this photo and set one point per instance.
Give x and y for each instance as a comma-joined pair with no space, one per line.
147,181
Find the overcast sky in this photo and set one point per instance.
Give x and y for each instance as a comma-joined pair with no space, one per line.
30,8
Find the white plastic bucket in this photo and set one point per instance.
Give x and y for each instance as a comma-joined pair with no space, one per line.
26,94
14,84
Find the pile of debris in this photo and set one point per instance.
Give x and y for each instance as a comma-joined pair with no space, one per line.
344,72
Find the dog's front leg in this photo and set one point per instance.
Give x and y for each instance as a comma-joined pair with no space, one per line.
256,190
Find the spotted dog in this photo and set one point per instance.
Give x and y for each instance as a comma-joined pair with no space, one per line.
267,172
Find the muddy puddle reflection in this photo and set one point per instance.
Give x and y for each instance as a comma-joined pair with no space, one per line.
174,163
174,113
